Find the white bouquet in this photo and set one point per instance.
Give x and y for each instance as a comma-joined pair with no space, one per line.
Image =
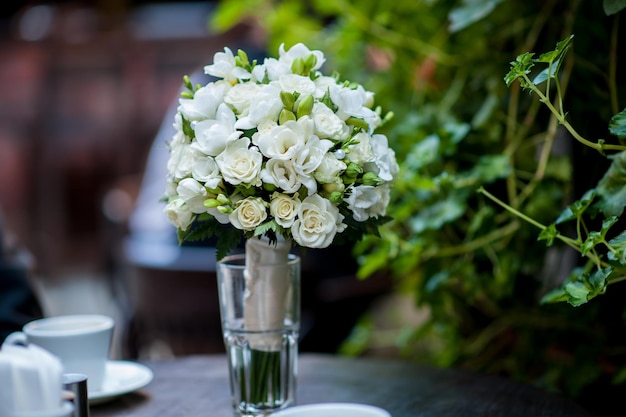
278,150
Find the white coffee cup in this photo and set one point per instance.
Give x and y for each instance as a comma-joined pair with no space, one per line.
82,342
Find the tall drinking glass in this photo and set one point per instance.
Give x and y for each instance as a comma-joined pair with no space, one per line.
260,315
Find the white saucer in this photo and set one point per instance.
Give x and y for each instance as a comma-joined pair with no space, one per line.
333,409
121,377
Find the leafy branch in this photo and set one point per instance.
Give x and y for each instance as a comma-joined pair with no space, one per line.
606,257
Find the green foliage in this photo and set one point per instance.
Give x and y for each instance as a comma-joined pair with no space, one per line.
550,184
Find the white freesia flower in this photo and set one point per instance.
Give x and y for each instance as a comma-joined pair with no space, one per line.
323,84
282,142
309,158
266,105
318,222
329,169
351,102
205,170
384,158
249,213
224,66
361,153
297,83
299,50
239,164
193,193
212,136
367,201
278,148
205,101
178,214
241,96
282,174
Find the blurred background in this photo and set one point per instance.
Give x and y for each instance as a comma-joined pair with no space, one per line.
85,86
85,89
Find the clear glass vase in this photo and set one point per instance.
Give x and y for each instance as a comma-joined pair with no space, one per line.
260,315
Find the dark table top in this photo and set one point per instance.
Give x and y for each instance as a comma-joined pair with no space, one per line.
198,386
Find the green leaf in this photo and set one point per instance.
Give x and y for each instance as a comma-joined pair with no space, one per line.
612,187
613,6
578,293
489,168
617,125
580,287
229,238
592,240
520,67
549,234
618,246
187,129
577,208
423,153
553,59
470,12
436,215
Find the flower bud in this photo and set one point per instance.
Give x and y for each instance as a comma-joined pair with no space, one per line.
269,187
223,199
305,106
285,115
353,170
357,123
211,203
334,186
225,209
369,178
241,60
288,99
309,63
336,197
297,66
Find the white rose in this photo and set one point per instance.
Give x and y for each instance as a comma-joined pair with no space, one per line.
205,170
299,83
282,174
193,194
239,164
327,124
178,213
367,201
284,208
384,158
240,96
249,213
299,50
204,103
224,66
265,105
329,170
318,222
212,136
282,142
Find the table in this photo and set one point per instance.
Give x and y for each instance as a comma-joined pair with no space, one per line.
197,386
